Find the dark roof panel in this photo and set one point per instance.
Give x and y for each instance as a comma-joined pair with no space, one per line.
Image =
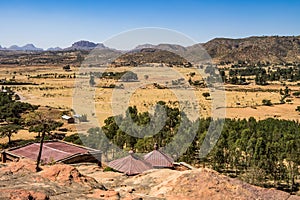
130,165
52,151
159,159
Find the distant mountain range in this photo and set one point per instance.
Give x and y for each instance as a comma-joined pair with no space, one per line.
54,49
27,47
80,45
274,49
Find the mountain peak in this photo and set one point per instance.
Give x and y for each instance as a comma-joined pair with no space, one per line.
143,46
54,49
85,45
27,47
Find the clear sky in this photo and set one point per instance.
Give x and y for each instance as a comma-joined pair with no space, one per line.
60,23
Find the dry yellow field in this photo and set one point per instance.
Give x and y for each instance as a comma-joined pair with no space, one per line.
241,101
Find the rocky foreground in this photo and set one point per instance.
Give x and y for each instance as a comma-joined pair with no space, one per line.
20,181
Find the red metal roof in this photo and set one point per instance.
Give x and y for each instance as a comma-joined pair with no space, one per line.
159,159
52,151
130,165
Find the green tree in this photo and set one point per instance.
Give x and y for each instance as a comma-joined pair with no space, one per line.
293,161
9,130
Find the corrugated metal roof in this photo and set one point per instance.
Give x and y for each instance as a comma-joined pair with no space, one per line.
52,151
66,117
159,159
130,165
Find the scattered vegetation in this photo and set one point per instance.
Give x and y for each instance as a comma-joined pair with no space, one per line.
264,153
262,74
11,112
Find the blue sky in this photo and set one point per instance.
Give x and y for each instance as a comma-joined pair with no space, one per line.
49,23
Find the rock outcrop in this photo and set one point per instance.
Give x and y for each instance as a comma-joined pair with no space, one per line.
85,45
20,181
59,181
189,185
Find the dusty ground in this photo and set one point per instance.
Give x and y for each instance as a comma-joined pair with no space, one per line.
20,181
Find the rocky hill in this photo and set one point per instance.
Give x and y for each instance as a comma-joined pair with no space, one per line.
27,47
20,181
168,47
273,49
149,55
41,57
59,181
85,45
54,49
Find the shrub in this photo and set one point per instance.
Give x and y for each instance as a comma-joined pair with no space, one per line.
109,169
297,94
67,67
266,102
206,94
74,138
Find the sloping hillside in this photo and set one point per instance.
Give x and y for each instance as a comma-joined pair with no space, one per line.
271,49
149,55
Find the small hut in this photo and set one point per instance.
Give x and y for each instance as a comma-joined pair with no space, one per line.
159,159
130,165
69,119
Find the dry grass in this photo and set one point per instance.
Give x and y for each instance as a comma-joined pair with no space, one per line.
241,104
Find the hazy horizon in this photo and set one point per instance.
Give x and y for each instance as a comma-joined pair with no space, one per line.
110,46
50,24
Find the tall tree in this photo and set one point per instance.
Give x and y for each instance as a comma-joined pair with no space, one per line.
46,125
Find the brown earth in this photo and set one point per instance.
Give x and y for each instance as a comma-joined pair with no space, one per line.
59,181
20,181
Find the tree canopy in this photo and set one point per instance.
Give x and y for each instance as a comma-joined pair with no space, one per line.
264,152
